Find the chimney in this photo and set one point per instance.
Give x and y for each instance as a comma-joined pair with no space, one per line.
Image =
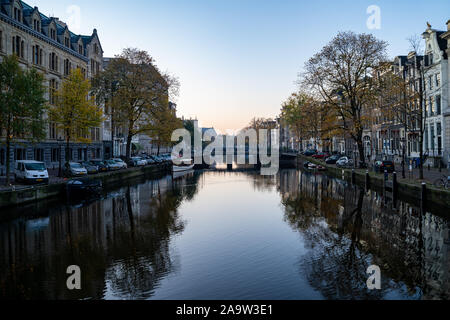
448,25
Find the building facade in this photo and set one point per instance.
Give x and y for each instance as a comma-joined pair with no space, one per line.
47,44
436,74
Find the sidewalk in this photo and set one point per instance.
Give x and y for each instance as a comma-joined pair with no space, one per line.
429,176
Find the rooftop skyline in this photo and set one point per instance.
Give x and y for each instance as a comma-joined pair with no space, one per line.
238,59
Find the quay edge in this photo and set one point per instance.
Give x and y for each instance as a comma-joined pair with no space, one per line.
406,191
32,194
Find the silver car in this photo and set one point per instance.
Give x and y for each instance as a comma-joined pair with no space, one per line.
74,169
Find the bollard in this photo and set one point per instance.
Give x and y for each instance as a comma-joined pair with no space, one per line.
353,176
386,175
423,196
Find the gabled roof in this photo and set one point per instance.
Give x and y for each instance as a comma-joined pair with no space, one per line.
46,21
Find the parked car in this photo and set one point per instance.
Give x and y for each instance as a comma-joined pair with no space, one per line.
321,155
157,159
102,167
382,166
345,162
91,169
333,159
137,162
310,153
31,171
74,169
121,162
147,159
167,157
112,165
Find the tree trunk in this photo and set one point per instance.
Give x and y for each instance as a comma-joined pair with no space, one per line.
128,151
67,147
362,157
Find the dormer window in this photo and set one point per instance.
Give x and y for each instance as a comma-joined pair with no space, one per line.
36,25
53,34
80,49
17,14
96,48
67,42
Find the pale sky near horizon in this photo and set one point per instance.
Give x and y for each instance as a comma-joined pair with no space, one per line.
237,59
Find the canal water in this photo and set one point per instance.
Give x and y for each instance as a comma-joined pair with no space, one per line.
226,235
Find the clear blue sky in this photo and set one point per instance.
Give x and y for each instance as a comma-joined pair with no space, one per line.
240,58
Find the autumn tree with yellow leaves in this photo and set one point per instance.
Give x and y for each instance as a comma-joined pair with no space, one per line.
74,111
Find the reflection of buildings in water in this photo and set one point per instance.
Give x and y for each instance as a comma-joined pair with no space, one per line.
412,248
118,241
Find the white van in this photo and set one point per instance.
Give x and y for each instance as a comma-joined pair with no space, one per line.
31,171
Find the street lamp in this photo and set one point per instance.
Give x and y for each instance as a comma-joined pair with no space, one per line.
60,143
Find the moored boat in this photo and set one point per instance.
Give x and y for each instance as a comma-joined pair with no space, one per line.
185,165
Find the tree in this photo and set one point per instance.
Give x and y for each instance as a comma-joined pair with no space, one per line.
75,112
22,104
161,128
136,90
341,74
303,114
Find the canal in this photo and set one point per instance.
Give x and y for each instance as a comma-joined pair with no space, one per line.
226,235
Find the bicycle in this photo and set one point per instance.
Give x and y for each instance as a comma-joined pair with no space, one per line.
443,182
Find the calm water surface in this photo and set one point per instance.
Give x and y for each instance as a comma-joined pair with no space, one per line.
227,235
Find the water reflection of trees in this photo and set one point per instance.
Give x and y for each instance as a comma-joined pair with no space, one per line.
347,229
121,244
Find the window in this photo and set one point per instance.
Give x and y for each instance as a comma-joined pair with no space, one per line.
18,46
53,87
18,14
438,105
53,62
96,48
19,154
37,55
36,25
39,154
430,82
432,136
1,40
67,42
426,137
67,67
2,157
52,131
438,80
80,49
53,34
55,154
